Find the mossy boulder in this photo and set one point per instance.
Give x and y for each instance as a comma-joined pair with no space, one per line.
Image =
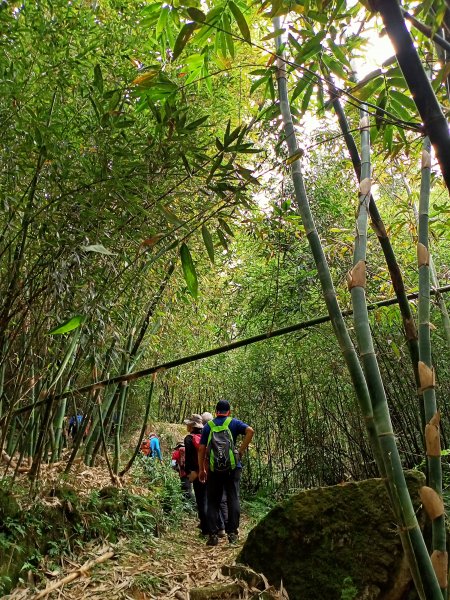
333,543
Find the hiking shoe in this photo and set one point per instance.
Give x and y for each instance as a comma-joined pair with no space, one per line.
233,538
213,540
221,533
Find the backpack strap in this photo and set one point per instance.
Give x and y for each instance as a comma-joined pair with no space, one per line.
216,428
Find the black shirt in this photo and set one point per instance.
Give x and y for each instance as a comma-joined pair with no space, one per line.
191,452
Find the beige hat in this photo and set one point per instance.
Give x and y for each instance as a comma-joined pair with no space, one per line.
195,420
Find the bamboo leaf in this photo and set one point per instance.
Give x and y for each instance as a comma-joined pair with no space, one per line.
183,38
273,34
225,226
300,87
146,79
196,14
189,270
170,216
240,20
162,21
300,152
223,239
207,238
255,85
69,325
99,248
194,124
311,48
98,78
370,88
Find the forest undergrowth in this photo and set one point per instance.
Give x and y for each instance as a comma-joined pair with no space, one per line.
139,541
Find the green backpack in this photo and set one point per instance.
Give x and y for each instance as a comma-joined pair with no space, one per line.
222,453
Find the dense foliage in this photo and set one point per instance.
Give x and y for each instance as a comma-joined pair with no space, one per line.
148,214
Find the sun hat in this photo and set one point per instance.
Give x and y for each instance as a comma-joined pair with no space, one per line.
195,420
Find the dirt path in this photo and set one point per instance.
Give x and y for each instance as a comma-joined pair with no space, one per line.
168,567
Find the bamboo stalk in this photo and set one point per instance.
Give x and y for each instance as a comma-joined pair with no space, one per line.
337,320
385,243
419,561
433,273
427,31
435,124
143,429
83,570
425,366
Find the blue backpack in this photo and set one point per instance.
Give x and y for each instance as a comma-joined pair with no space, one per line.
222,453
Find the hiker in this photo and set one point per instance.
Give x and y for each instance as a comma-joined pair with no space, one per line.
145,447
155,448
194,426
223,510
218,453
179,464
74,423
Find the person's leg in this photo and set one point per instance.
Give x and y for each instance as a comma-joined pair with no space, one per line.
223,518
200,498
215,486
234,507
186,488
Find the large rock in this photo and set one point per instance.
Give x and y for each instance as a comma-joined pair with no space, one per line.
334,543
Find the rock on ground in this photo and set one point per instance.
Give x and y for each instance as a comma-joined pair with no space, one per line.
335,543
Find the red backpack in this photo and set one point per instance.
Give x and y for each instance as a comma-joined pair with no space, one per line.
145,448
196,439
182,460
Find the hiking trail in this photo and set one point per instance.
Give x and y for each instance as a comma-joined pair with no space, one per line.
177,565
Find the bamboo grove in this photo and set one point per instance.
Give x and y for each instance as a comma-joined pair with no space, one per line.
160,217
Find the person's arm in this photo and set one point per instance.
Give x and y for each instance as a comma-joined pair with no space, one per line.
158,450
249,432
201,463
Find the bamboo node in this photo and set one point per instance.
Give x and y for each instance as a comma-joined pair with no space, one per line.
432,502
379,228
432,439
427,377
439,560
423,256
435,419
365,186
410,329
426,159
364,123
357,276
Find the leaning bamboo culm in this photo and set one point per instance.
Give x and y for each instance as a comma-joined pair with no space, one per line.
432,501
326,282
421,567
435,123
434,281
428,586
384,241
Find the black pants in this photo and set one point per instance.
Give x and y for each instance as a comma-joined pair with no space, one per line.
200,498
216,484
223,512
186,488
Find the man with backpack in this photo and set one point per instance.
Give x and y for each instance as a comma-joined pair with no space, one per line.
194,426
220,467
